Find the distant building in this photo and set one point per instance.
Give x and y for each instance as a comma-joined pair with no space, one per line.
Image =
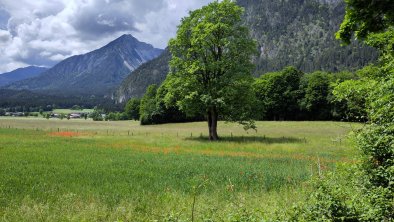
18,114
55,115
75,115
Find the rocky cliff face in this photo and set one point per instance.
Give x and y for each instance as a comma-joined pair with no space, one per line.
96,73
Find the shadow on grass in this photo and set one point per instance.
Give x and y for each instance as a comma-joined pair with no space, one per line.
251,139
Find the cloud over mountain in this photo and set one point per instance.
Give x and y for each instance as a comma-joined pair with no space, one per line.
45,32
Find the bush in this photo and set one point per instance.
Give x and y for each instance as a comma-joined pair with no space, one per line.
132,109
116,116
96,115
328,201
343,196
366,191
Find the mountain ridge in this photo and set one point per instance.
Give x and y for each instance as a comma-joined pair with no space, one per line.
97,72
20,74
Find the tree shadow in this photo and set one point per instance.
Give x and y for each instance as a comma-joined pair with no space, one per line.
250,139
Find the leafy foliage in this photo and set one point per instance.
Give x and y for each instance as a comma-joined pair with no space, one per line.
316,89
293,95
368,194
148,105
116,116
96,115
132,109
385,43
365,17
153,109
279,93
354,92
377,141
211,65
342,196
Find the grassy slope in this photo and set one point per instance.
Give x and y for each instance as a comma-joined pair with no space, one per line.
140,173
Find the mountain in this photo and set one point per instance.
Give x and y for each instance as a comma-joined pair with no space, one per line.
299,33
152,72
20,74
96,73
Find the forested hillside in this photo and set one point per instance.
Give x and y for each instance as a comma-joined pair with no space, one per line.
289,33
152,72
301,33
28,101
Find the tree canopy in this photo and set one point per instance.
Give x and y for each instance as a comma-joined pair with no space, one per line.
211,66
132,109
364,17
368,193
279,94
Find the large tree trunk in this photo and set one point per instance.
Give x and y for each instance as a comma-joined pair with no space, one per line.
213,124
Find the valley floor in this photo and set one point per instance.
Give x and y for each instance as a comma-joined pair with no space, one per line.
80,170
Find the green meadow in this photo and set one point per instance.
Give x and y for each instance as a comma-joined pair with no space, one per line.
80,170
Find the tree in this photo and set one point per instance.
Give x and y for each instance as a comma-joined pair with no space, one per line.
96,115
354,92
132,109
148,106
153,108
278,93
316,88
211,66
369,195
365,17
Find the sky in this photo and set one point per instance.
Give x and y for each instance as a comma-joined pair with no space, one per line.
44,32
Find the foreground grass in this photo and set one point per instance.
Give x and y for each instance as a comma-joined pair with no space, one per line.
122,171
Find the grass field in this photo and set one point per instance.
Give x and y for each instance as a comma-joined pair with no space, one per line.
80,170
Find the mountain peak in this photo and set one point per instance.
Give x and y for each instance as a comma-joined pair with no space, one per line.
95,73
125,39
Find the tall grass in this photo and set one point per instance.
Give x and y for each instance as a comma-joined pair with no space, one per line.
144,173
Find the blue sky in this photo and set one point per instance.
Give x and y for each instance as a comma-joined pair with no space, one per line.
43,32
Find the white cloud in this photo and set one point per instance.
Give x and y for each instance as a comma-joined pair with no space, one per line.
5,36
57,57
44,32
